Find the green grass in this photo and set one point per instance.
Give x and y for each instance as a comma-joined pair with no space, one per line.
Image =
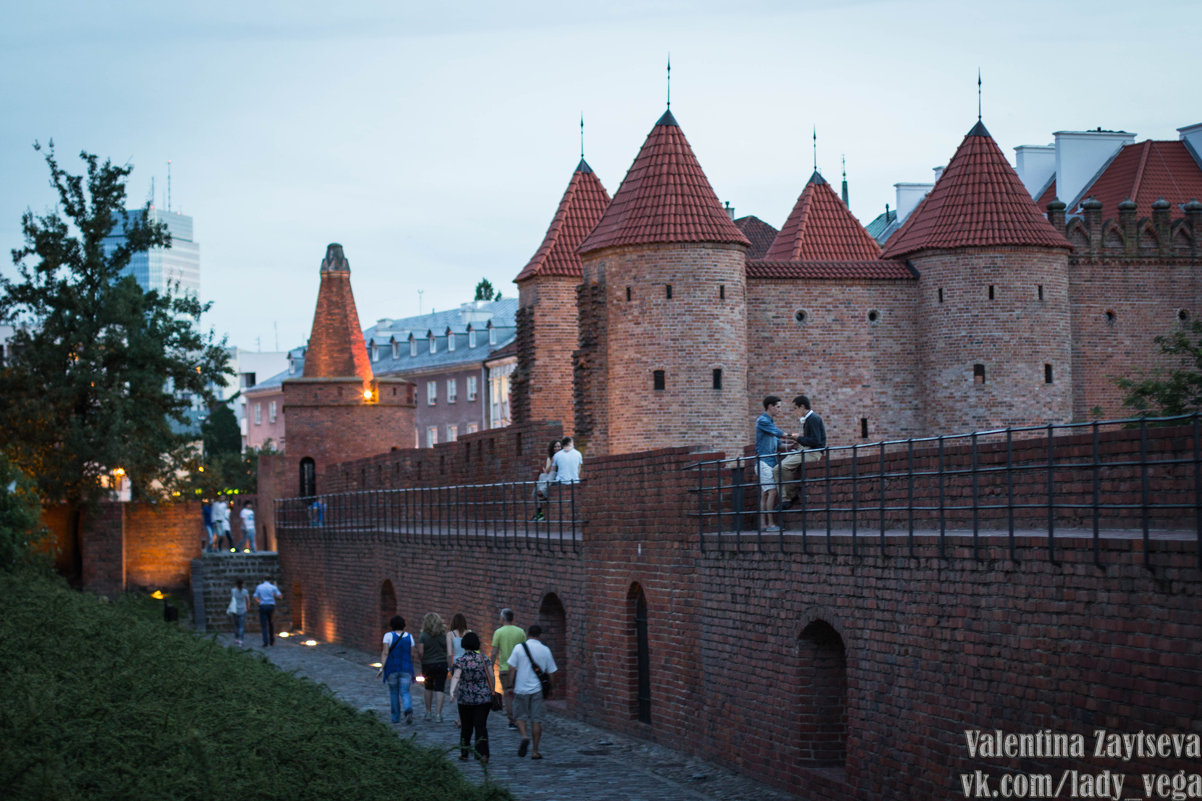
105,701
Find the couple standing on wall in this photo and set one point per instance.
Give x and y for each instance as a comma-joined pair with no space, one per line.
810,441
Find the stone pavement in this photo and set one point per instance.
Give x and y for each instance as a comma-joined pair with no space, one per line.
580,762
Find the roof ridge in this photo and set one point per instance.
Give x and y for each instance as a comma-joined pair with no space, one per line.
1139,170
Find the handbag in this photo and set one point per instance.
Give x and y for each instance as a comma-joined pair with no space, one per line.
232,609
544,678
498,702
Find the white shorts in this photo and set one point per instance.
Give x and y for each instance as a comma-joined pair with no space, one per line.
767,475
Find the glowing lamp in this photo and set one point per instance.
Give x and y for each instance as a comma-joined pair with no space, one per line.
377,664
367,394
118,471
157,595
420,679
284,634
310,643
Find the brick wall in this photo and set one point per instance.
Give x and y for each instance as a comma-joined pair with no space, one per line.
160,542
547,336
700,328
213,577
835,674
1013,335
852,355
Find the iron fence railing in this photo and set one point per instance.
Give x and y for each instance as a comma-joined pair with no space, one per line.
1140,478
502,514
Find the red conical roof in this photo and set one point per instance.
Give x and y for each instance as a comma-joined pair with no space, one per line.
979,201
336,348
821,228
581,207
665,197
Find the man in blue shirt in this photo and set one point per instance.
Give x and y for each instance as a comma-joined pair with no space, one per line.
767,442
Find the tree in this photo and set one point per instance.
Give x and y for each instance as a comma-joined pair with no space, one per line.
485,291
20,515
1170,392
100,368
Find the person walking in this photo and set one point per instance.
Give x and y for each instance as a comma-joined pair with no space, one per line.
504,640
206,515
266,594
396,668
471,687
529,706
432,654
247,516
455,637
221,523
239,603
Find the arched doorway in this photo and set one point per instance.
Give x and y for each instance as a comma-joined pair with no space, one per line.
387,604
641,678
823,682
308,477
553,620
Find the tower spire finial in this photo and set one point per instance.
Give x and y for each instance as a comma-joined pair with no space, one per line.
844,159
815,148
978,94
582,135
669,81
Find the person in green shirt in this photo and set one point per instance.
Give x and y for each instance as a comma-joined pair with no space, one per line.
504,640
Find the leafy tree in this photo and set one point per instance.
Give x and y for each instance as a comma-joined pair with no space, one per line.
485,291
100,368
1169,392
20,514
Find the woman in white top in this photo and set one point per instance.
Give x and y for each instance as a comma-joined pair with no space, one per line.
239,603
455,636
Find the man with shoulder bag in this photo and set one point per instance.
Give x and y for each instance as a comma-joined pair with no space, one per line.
534,665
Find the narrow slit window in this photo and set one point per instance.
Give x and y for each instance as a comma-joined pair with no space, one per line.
657,379
978,374
991,291
1047,374
1039,291
940,294
863,428
627,293
721,291
717,378
668,291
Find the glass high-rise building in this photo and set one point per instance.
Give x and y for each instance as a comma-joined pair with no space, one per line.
161,269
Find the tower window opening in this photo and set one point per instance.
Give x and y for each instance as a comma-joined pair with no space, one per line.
800,315
668,291
1183,315
863,428
991,291
657,379
940,294
1047,374
721,291
873,316
717,378
1039,291
978,374
1110,317
627,293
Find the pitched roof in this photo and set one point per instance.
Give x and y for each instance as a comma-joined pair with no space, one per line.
665,197
1146,172
979,201
580,208
821,227
336,347
758,232
864,270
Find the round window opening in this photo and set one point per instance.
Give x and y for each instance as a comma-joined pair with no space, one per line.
800,316
1183,315
1110,316
874,316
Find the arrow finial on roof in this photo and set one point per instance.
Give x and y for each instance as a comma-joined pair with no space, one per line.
815,148
978,94
669,80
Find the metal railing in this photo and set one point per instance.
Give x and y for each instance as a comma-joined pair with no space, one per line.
1130,477
501,514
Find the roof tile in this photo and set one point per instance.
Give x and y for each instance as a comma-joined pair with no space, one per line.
665,197
336,346
582,204
1146,172
758,232
979,201
822,228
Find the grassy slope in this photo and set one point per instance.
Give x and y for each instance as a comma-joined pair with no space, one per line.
101,701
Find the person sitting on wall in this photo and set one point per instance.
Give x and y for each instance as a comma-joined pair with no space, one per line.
767,442
811,443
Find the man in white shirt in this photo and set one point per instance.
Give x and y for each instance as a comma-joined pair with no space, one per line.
528,704
266,594
566,463
248,525
221,523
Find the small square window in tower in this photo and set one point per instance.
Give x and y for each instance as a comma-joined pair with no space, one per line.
657,379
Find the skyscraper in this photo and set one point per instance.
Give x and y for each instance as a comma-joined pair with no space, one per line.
161,269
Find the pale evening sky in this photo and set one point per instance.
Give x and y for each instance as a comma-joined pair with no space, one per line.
435,140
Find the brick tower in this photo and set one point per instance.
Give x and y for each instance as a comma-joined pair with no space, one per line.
662,359
338,410
546,318
994,341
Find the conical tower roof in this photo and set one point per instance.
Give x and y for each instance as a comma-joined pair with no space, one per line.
664,198
336,348
581,207
821,228
979,201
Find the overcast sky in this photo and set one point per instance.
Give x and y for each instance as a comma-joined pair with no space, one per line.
434,140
